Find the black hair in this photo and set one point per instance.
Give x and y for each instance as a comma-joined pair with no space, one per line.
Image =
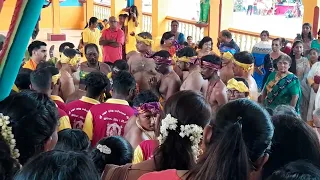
23,79
162,53
121,152
174,21
281,41
64,45
96,83
33,118
310,36
49,66
92,20
106,20
135,9
285,110
145,35
41,80
313,49
297,170
35,45
90,45
166,36
244,57
72,140
212,58
8,165
293,67
121,64
176,152
205,40
242,80
291,137
265,32
186,51
144,97
123,83
70,53
60,165
226,33
241,135
189,37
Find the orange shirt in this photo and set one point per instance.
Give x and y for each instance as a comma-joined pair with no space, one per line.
30,64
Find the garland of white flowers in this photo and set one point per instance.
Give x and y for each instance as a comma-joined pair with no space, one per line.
6,132
104,149
193,131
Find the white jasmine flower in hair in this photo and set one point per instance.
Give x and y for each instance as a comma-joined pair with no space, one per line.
168,123
104,149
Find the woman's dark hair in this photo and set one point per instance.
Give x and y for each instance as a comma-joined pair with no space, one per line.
279,40
33,118
285,110
205,40
121,153
90,45
265,32
293,67
135,10
186,51
297,170
8,165
188,107
174,21
92,20
145,97
162,53
73,140
293,139
242,132
23,79
60,165
121,64
166,36
310,36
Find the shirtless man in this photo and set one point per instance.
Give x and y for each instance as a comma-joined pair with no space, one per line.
226,72
170,82
217,91
242,67
188,61
141,66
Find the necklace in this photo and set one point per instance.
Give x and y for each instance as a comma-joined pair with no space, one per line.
210,89
145,131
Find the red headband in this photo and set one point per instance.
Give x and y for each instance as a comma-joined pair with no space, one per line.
162,60
210,65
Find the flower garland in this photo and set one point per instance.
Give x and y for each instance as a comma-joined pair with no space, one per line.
104,149
192,131
8,136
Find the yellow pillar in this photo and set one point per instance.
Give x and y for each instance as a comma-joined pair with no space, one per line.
139,5
56,16
159,25
117,6
213,28
88,10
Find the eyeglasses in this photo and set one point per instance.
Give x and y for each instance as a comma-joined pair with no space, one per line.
233,92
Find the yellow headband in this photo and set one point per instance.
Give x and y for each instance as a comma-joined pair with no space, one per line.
237,85
186,59
227,56
55,78
146,41
246,67
66,60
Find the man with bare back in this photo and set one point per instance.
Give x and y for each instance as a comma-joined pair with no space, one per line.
188,61
242,67
226,72
217,91
170,82
141,65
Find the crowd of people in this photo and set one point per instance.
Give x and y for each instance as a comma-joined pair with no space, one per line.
117,108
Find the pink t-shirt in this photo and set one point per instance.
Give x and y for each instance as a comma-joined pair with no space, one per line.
111,54
167,174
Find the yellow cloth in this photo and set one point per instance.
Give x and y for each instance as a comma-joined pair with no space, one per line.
64,123
130,40
137,155
89,36
183,59
246,67
88,125
146,41
15,88
55,78
109,75
228,56
237,85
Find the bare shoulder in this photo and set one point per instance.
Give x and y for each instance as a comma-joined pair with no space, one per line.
131,54
105,68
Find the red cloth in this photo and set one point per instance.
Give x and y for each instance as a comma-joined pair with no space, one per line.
148,147
62,113
286,50
111,54
61,105
77,111
109,119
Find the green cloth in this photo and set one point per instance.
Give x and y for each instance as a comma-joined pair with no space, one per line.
204,11
282,92
315,44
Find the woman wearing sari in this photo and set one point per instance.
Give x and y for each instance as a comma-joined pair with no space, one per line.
259,51
282,87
